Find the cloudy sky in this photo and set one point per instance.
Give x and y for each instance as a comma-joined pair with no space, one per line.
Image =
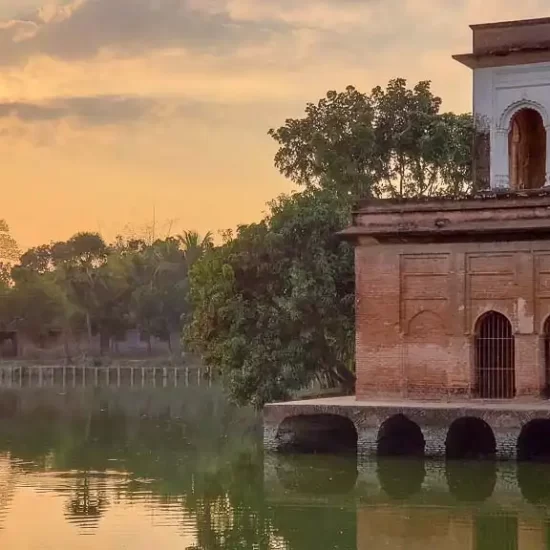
111,110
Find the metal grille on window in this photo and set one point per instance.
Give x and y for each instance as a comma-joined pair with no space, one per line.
494,357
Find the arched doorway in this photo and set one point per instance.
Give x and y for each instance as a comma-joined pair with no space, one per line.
494,357
527,150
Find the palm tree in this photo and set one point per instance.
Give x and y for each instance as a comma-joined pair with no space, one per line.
193,246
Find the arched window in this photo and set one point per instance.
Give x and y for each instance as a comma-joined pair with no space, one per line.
494,357
527,150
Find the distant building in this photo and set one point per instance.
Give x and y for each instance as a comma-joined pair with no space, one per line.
134,344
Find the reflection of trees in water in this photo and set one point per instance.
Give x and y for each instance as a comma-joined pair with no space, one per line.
317,474
201,452
87,503
7,484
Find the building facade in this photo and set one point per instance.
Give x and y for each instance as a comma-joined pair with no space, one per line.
453,295
511,103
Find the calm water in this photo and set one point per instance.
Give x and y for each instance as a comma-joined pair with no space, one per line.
181,469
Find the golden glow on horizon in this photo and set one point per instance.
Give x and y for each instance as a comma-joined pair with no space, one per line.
189,136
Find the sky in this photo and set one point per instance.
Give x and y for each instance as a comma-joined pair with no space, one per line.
117,112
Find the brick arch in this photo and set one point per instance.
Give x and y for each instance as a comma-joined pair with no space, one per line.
317,433
425,323
479,318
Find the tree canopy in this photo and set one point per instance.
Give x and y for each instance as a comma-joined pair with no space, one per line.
391,142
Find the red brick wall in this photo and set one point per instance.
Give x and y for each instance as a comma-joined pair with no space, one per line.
417,307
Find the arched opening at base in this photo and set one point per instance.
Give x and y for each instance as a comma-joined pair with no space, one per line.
470,438
534,441
399,436
317,433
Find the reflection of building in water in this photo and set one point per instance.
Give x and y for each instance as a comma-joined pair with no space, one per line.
453,295
432,528
409,504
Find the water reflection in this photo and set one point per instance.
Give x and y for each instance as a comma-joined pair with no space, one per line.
88,501
472,481
317,474
401,479
188,471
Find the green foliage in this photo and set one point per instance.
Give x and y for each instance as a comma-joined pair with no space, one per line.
393,142
273,307
9,250
84,286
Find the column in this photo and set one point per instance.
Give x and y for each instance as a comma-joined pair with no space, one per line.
547,179
435,438
499,159
367,441
507,440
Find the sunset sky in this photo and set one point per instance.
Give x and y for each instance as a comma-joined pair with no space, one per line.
113,109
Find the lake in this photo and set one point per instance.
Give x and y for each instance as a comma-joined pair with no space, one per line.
181,468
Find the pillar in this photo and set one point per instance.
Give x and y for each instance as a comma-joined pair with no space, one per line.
547,178
367,441
435,438
507,440
500,169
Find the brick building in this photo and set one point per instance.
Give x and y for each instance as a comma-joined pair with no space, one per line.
453,296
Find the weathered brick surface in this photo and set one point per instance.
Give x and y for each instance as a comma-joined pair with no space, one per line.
506,422
419,298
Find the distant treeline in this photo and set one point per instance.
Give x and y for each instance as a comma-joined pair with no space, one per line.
85,286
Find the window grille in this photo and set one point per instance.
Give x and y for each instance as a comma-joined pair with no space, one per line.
494,357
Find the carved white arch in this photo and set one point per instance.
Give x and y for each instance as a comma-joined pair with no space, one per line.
514,108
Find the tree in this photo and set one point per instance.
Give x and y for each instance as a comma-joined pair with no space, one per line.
9,250
393,142
76,262
273,307
420,151
333,146
37,304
